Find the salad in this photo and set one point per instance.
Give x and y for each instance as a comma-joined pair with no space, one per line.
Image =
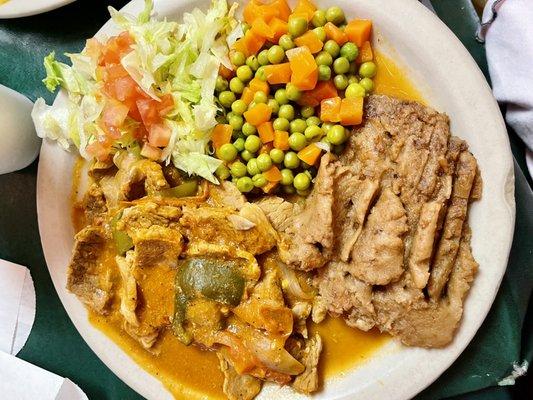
255,101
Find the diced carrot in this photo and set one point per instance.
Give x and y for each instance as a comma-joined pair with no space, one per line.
247,95
334,33
255,9
310,154
310,40
305,7
279,28
330,109
265,149
262,29
351,111
151,152
258,114
365,53
224,72
257,85
250,43
266,132
283,9
359,31
303,66
273,174
281,140
270,186
278,73
323,90
221,135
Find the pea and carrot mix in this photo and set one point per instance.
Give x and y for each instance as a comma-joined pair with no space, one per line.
297,86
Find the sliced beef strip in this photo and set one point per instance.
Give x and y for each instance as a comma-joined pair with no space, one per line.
157,245
137,179
94,205
308,353
226,194
85,277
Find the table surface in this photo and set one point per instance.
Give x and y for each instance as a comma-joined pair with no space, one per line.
54,343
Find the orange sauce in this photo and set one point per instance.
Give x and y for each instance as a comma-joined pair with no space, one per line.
190,373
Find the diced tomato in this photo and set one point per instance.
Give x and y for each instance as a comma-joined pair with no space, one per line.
148,111
125,88
93,48
116,47
98,150
165,105
159,135
114,113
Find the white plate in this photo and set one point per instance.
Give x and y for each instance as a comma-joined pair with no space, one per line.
24,8
451,82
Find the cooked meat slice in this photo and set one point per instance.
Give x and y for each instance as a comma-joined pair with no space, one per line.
377,257
423,242
308,355
477,187
211,225
279,212
453,224
237,386
257,217
87,277
99,169
341,294
226,195
140,178
128,290
157,245
94,206
147,214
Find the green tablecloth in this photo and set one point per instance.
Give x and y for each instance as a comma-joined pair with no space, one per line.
55,345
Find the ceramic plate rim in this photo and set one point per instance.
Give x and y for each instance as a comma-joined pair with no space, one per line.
25,8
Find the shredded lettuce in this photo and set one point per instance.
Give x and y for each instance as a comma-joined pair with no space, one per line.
167,58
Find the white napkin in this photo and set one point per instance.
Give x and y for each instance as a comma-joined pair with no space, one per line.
509,47
17,306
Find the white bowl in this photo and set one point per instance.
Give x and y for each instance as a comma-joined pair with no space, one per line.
451,82
25,8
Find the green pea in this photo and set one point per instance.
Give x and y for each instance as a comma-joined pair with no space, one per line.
352,79
324,73
354,90
281,96
264,162
335,15
301,181
237,58
276,54
245,27
259,180
236,85
229,115
326,126
252,167
246,155
321,33
297,26
252,62
245,73
238,169
368,69
285,41
297,141
313,132
288,189
222,172
341,65
261,73
277,155
307,111
221,84
319,18
298,125
340,81
227,152
238,107
313,120
226,98
245,184
252,143
281,124
293,93
260,97
239,144
367,84
291,160
236,122
262,57
324,58
286,176
248,129
350,51
332,48
337,134
251,105
274,106
286,111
